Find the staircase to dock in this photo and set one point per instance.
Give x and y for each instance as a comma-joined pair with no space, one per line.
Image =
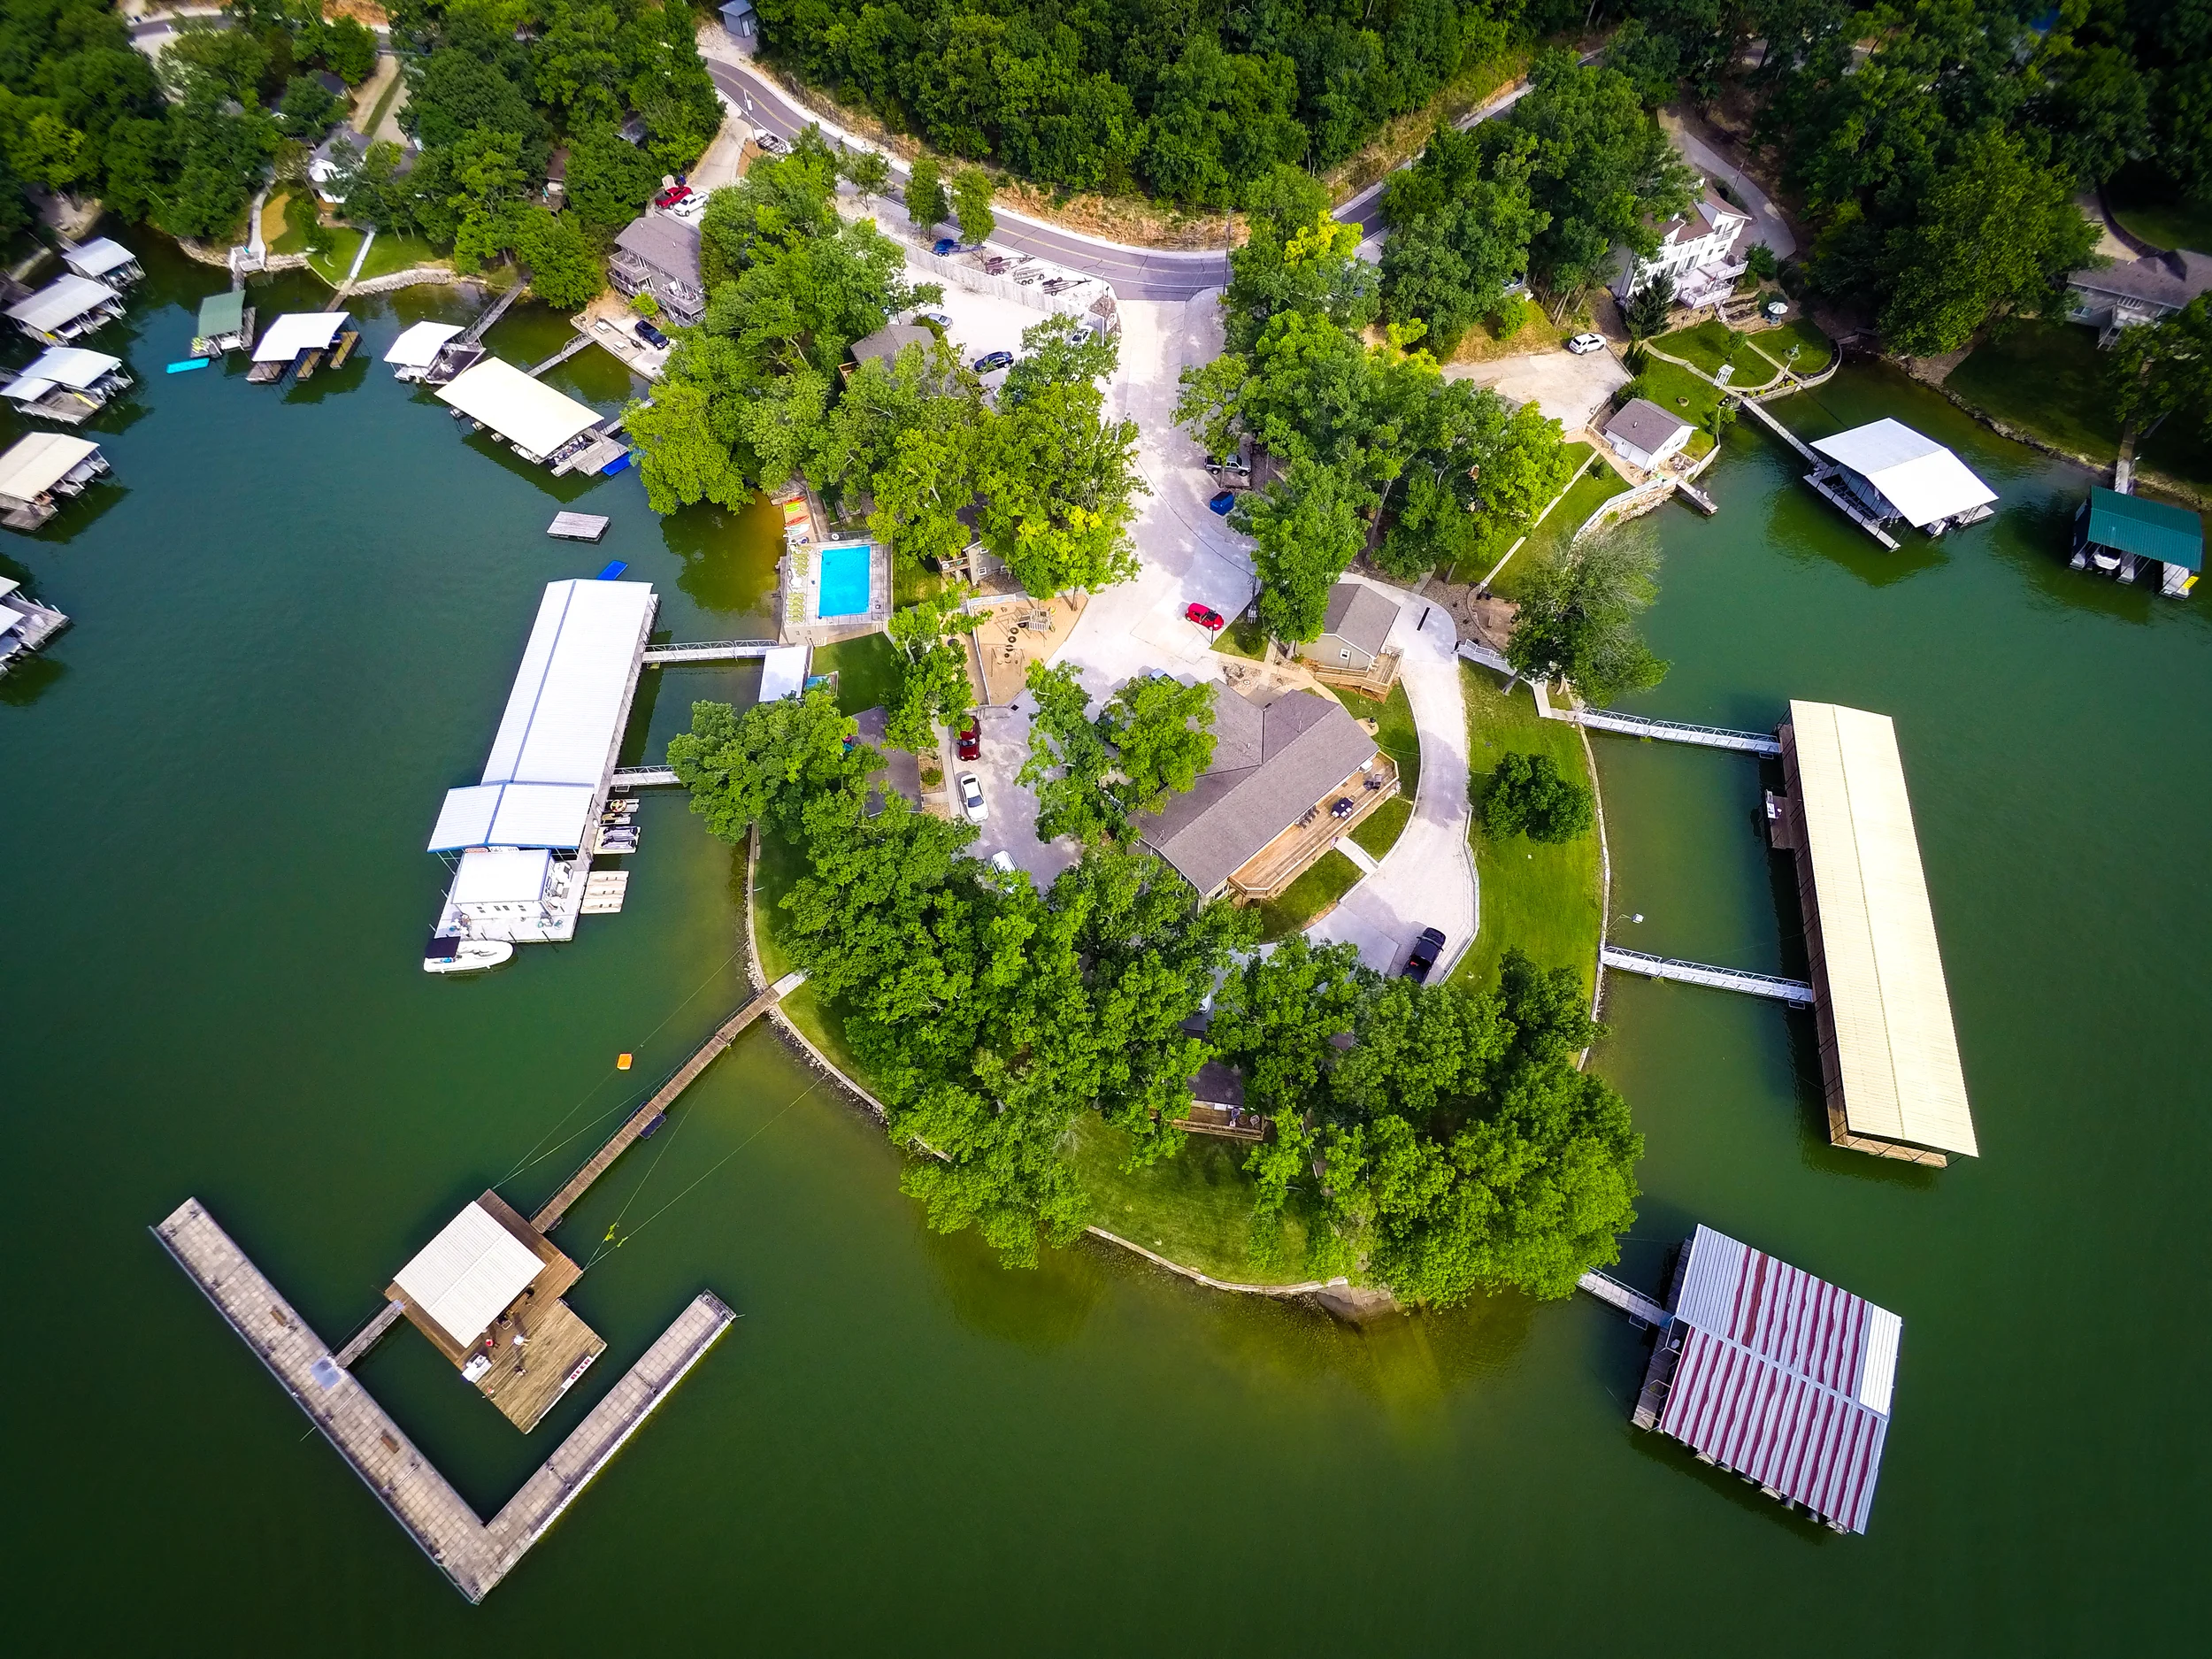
1773,423
1794,992
562,356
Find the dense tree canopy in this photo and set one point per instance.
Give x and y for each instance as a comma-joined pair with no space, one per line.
1094,774
1194,101
1528,795
1578,615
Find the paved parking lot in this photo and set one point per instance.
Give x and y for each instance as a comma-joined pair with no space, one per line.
1572,390
1010,827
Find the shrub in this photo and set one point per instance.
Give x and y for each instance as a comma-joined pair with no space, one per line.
1763,262
1511,318
645,305
1527,796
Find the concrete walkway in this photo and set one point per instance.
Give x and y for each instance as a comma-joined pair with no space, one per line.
1427,879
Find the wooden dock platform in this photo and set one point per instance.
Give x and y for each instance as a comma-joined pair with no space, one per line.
549,1216
578,526
474,1554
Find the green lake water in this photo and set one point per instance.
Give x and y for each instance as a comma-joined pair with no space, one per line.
297,614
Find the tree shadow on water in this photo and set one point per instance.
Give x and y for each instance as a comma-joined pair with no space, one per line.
1040,1308
729,558
29,679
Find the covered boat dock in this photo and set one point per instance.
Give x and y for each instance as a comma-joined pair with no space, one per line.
66,310
24,624
1884,471
68,384
299,339
2116,534
432,353
542,425
226,324
526,831
104,260
1771,1374
41,471
1889,1056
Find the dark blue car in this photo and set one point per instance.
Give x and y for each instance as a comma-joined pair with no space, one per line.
989,361
945,245
1222,503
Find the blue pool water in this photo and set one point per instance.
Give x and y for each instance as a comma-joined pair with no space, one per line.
845,581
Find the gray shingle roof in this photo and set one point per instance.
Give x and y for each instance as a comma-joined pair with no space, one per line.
887,343
1644,424
1360,616
669,245
1307,745
2162,278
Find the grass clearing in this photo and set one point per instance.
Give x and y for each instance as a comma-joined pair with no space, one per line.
2165,223
1378,833
1680,392
1544,899
1244,637
1194,1208
1598,485
868,668
1815,350
2046,379
1332,876
1397,736
389,254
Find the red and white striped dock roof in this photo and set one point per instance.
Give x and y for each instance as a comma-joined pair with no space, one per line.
1782,1377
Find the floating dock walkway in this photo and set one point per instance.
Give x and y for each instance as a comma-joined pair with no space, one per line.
555,1208
709,651
1674,731
1797,993
1629,1300
644,777
475,1555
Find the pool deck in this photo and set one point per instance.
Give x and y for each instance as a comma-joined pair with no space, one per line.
799,606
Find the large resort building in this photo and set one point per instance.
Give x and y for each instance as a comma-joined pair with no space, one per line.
523,835
1292,773
1889,1056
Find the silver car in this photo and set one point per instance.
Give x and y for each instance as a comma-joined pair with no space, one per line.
971,798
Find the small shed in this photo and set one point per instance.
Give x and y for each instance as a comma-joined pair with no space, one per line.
2116,533
1358,620
104,260
1644,435
740,20
66,310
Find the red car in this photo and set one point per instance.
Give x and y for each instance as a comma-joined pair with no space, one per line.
675,194
971,740
1206,617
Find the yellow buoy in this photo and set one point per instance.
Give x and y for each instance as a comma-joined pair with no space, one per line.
622,1062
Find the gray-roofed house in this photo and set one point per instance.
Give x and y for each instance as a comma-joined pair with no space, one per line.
886,342
2111,297
1353,629
658,255
1262,812
1644,435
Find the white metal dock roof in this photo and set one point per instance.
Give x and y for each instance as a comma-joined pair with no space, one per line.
98,257
39,462
558,741
465,1277
295,332
417,347
783,672
1916,475
529,414
1895,1048
61,301
59,365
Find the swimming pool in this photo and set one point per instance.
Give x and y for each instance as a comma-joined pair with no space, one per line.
844,581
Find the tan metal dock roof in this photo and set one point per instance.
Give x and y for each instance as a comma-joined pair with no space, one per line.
1887,1013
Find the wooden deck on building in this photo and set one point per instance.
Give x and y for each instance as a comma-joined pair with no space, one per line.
1283,860
474,1555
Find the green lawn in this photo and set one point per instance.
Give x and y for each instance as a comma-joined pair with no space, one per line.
1243,637
1598,485
1194,1208
868,670
2046,379
1330,877
1710,344
1678,391
393,253
1378,833
2169,224
1543,899
1815,350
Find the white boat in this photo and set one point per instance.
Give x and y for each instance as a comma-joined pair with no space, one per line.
451,954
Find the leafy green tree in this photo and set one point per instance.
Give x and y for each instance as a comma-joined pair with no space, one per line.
565,273
1527,794
1295,258
1762,262
1461,218
867,171
608,183
1578,615
1308,529
1068,761
307,108
349,47
927,206
768,763
1161,733
1648,307
935,684
972,204
2164,368
1994,237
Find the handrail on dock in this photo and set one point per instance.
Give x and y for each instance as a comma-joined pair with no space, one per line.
1628,1299
645,777
600,1161
491,314
707,652
1795,992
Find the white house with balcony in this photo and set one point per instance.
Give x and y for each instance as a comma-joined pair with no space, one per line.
1703,250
